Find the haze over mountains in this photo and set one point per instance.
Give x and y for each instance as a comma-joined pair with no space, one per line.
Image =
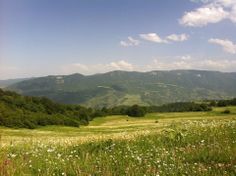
8,82
128,88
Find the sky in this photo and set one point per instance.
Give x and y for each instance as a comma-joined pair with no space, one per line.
49,37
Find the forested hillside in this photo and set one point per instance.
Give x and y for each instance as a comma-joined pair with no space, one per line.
30,112
127,88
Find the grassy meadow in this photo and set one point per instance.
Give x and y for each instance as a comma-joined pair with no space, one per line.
191,143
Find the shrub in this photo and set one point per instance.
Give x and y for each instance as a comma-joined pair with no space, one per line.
136,111
226,111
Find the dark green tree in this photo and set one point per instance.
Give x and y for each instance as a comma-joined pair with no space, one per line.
136,111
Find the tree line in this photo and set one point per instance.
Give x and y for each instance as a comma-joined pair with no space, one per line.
20,111
30,112
223,103
140,111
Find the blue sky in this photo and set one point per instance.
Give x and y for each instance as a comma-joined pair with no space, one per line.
42,37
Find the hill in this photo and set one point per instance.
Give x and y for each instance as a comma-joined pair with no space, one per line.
128,88
30,112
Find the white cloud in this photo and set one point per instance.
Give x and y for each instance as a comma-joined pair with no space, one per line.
222,65
228,46
213,11
203,1
226,3
205,64
80,66
177,38
152,37
186,58
124,44
232,15
97,68
130,42
121,65
159,64
166,63
203,16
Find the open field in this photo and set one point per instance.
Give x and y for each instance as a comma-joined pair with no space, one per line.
192,143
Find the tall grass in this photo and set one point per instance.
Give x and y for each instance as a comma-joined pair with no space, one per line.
200,147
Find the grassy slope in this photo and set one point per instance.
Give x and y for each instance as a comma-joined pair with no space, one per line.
109,127
190,143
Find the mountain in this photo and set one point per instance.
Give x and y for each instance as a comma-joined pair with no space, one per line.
127,88
8,82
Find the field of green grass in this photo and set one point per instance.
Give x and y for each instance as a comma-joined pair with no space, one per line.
191,143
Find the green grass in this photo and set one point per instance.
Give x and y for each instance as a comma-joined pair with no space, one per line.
192,143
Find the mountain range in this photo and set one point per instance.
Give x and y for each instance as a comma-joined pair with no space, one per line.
127,88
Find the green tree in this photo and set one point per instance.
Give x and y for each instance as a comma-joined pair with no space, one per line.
136,111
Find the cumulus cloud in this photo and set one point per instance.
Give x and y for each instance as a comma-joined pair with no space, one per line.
161,63
177,38
121,65
204,64
202,1
222,65
97,68
228,46
212,11
203,16
153,37
130,42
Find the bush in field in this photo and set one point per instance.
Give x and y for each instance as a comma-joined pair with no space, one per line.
226,111
136,111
